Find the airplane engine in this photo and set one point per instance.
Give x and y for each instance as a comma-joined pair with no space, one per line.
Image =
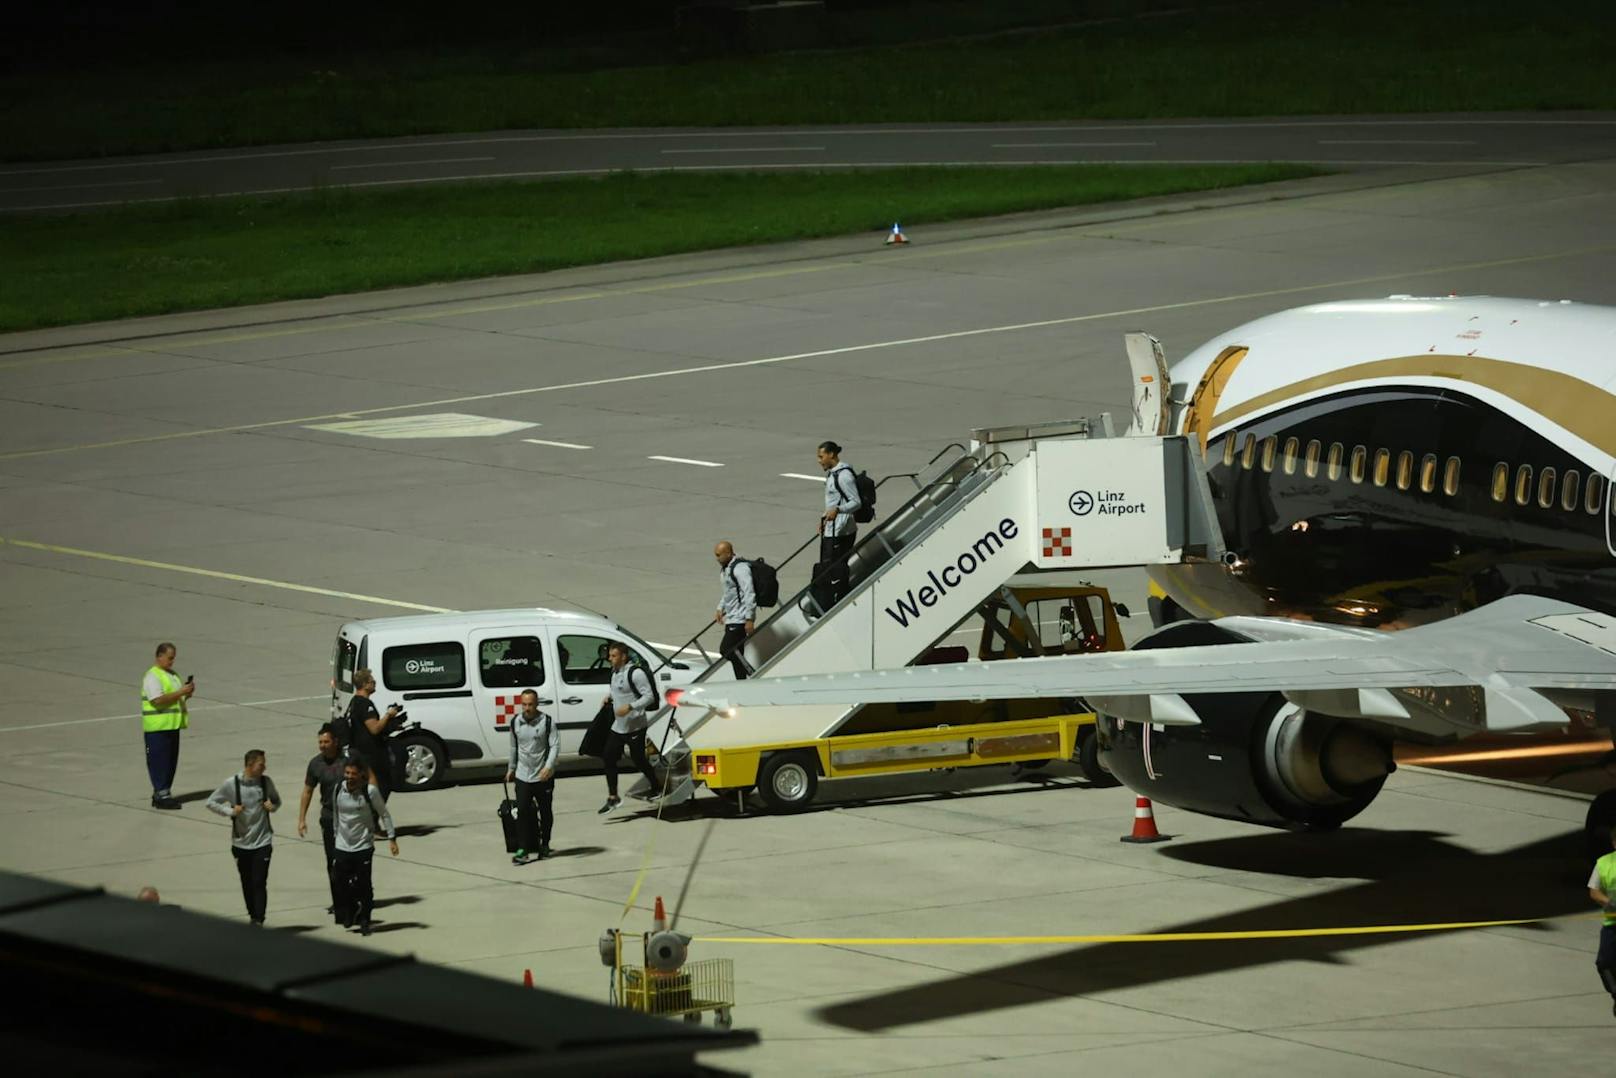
1254,757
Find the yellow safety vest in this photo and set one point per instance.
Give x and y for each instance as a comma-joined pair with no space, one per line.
171,717
1606,867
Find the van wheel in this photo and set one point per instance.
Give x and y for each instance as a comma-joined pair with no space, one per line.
422,763
1088,758
788,781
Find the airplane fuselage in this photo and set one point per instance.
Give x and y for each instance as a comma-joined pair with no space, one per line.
1406,482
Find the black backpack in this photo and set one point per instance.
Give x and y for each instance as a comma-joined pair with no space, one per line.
866,493
765,580
866,496
656,696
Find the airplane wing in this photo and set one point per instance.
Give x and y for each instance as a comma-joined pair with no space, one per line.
1507,648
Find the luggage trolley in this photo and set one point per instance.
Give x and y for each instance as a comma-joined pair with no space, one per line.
666,984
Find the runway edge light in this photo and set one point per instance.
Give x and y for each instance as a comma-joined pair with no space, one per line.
896,236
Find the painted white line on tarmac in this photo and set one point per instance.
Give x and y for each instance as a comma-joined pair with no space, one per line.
753,149
559,445
872,346
800,475
215,574
78,186
759,166
411,164
1058,145
133,714
1394,142
689,460
878,132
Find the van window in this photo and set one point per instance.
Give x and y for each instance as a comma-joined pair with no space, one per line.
584,662
512,662
424,666
345,663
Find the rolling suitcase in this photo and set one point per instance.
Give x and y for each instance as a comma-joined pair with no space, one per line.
507,820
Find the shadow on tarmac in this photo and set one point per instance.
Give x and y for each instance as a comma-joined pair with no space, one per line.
1411,877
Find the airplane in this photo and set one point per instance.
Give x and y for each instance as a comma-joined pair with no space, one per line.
1415,502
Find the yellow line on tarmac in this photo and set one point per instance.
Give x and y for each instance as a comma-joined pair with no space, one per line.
1142,937
238,578
710,368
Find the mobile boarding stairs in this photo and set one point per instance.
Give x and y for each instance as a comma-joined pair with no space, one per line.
1047,498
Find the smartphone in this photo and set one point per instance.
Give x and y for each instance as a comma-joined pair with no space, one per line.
190,679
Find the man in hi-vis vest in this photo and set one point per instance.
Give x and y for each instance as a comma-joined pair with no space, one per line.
162,716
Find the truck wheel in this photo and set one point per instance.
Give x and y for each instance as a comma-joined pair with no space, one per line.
788,781
1088,758
422,763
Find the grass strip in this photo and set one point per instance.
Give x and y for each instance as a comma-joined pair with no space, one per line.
1262,58
206,253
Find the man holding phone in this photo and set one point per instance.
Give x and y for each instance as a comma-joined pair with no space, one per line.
163,715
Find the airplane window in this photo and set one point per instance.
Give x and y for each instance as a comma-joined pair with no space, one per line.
1545,489
1291,446
1228,449
1360,462
1334,464
1269,444
1405,470
1450,477
1593,493
1523,484
1428,473
1568,491
1248,452
1311,462
1383,466
1500,481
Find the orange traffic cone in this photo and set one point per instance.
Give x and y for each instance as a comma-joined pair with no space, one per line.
1144,823
659,919
527,978
896,235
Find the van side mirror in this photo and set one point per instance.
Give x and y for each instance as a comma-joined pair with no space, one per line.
1121,609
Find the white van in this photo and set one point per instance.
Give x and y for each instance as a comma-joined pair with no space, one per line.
460,677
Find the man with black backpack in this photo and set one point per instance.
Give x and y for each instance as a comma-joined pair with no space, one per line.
357,814
849,501
633,700
737,605
248,799
535,747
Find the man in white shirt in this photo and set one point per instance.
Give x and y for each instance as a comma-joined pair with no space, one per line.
357,814
535,747
631,694
248,799
737,605
838,530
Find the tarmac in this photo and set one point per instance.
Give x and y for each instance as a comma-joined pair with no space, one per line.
179,478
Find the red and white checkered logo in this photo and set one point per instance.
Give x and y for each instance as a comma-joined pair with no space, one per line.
1057,542
506,709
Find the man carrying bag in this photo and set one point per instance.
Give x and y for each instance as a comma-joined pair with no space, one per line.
535,747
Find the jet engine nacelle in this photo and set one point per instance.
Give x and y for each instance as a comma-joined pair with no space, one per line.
1254,756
